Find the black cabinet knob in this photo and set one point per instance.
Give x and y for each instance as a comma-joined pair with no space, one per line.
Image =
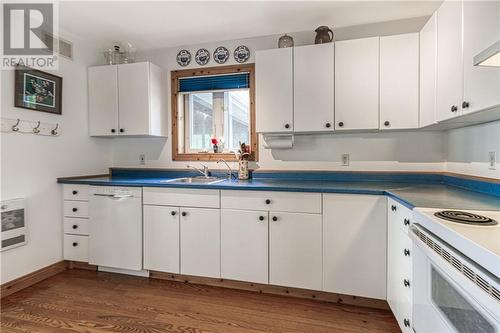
393,208
406,222
406,252
261,218
75,226
341,124
183,213
75,192
453,108
386,123
465,105
287,125
268,201
174,213
75,209
406,322
275,218
328,125
113,130
75,244
406,282
122,130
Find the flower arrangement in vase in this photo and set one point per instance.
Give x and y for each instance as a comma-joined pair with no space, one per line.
243,155
215,144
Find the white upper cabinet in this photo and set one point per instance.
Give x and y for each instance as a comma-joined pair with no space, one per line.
481,28
274,90
313,91
399,81
103,100
449,60
127,99
428,54
357,84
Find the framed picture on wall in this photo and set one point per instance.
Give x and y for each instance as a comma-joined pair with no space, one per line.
38,91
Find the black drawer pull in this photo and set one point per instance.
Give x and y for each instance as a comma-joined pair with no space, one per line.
275,218
406,282
75,244
406,252
74,192
173,213
75,209
406,222
268,201
75,226
393,208
261,218
406,322
183,213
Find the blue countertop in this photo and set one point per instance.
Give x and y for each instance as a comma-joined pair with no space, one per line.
415,190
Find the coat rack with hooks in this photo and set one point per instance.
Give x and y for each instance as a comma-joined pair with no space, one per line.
18,125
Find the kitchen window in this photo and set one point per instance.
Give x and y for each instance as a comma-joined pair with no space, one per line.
213,105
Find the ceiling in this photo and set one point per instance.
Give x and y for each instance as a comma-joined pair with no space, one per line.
162,24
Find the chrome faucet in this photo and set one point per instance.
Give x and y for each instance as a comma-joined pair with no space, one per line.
204,172
230,171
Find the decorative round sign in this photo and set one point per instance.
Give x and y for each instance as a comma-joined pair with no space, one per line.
183,57
221,54
202,57
241,54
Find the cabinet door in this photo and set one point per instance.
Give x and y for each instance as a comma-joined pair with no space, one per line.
449,63
295,250
200,242
103,100
133,92
399,80
354,245
161,238
393,258
428,74
244,245
313,91
481,20
357,84
274,90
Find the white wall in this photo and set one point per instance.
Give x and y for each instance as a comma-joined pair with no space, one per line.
469,147
375,151
30,164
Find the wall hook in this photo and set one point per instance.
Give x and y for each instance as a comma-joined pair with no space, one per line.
15,127
36,129
54,131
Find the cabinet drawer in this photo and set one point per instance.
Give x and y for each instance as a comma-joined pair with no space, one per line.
181,197
76,248
397,213
76,226
76,209
76,192
275,201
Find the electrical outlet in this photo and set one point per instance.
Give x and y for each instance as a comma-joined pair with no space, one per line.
493,160
142,159
345,159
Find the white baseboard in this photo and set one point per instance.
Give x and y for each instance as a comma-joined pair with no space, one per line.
142,273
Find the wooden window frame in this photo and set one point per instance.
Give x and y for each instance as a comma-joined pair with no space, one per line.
218,70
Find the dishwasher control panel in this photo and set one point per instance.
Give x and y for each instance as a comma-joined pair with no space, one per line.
116,190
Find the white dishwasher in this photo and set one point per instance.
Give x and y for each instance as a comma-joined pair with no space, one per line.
115,227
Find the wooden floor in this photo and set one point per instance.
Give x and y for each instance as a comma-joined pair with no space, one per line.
86,301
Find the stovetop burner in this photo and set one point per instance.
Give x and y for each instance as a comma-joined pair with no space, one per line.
465,217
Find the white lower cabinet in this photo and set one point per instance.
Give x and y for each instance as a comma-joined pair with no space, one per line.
399,264
200,241
76,248
161,238
354,243
295,250
244,245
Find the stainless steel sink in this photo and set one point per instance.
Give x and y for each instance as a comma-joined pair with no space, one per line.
195,180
